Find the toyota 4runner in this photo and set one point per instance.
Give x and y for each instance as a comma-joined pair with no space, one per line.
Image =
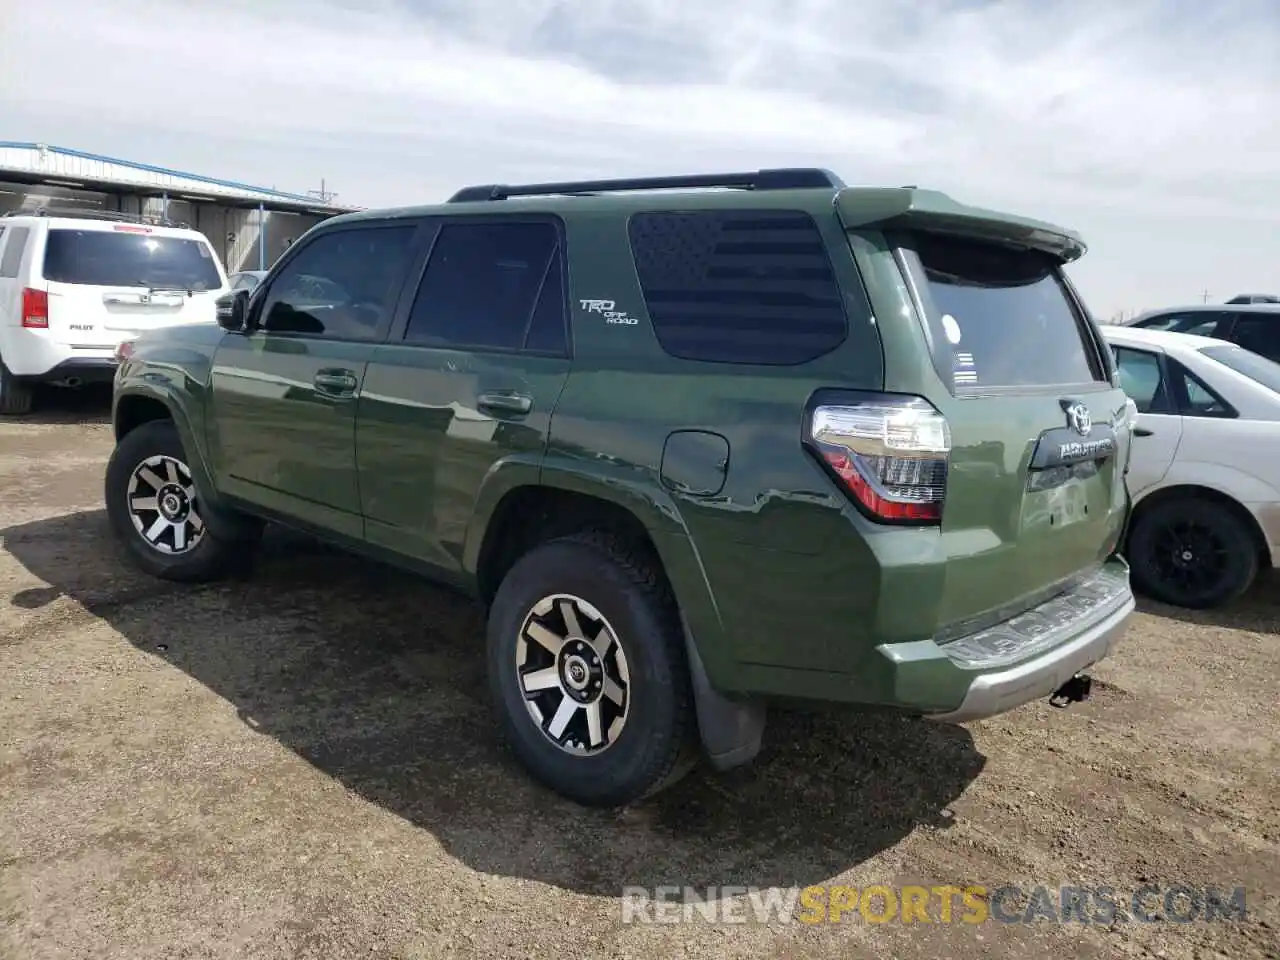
696,443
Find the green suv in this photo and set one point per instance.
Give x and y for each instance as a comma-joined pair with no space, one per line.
696,443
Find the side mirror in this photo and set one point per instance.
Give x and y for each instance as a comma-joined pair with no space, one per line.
233,311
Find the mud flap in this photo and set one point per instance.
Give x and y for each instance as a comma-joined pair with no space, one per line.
731,730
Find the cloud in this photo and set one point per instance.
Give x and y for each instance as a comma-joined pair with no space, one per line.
1101,115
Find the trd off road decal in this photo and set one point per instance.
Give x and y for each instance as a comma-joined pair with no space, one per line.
608,310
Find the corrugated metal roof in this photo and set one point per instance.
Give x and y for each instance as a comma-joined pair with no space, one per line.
61,165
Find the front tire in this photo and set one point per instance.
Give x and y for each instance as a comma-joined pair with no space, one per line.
1192,553
155,511
587,671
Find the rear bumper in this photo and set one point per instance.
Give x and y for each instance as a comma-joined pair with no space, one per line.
1021,659
82,369
34,356
993,693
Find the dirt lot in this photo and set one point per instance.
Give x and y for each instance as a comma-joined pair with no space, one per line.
303,765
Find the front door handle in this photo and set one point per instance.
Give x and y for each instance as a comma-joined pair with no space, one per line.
505,402
1142,431
335,383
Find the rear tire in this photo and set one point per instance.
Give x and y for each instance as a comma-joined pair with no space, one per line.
155,511
15,396
587,671
1192,553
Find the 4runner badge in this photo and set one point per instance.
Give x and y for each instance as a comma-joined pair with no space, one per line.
1078,418
607,309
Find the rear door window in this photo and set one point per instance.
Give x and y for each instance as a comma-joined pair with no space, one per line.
125,258
1195,398
495,285
15,245
1000,317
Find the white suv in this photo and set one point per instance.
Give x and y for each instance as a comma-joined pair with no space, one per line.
74,285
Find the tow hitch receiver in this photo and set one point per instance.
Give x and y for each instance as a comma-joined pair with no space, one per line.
1075,690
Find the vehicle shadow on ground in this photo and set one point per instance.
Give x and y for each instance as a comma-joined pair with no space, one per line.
1258,611
55,405
377,678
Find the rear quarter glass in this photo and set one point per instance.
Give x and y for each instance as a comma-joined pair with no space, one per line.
999,317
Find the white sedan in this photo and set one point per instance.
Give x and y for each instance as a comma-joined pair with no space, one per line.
1204,476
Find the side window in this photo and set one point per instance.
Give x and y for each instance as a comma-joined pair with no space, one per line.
749,286
1259,333
494,285
1198,398
1142,379
14,246
341,285
1199,323
1203,325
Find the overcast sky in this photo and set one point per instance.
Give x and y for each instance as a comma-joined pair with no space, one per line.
1152,126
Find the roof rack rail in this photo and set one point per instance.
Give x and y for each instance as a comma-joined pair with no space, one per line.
89,213
789,178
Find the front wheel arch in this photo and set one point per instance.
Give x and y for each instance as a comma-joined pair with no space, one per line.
135,408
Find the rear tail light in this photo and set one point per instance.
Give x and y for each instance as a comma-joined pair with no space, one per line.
889,452
123,351
35,308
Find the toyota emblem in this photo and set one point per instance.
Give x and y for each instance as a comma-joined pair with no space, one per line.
1078,418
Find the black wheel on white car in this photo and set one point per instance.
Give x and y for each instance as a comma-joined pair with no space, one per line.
155,510
587,670
1192,553
15,396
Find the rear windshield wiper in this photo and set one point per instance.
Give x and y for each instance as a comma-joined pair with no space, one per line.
163,288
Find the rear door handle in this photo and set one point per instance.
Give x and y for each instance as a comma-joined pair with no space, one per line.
335,383
505,402
1142,432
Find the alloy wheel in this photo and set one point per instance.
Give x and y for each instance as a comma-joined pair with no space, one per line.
574,675
162,505
1189,556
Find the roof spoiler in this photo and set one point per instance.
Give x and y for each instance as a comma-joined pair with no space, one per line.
892,208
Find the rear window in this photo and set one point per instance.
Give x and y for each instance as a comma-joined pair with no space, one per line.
1256,368
118,259
998,316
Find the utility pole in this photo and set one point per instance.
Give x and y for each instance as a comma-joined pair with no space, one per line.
1206,296
322,194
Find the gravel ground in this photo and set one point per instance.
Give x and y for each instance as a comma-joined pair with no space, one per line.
304,765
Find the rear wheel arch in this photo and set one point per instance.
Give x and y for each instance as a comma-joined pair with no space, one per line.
731,731
533,513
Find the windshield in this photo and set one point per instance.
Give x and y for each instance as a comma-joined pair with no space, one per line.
998,316
1256,368
110,259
